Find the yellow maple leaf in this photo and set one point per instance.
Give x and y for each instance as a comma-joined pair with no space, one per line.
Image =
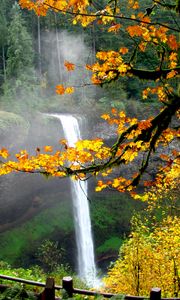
100,186
105,117
4,153
135,5
69,90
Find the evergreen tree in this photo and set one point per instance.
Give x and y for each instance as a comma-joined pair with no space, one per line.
19,69
3,41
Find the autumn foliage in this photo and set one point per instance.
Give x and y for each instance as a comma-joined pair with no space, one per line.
136,139
148,258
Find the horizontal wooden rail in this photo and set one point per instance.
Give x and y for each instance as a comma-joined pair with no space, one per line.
30,282
106,295
67,285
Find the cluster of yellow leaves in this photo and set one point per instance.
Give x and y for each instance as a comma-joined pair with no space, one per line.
55,164
144,260
173,61
87,16
122,121
133,4
4,153
107,11
94,154
168,135
163,193
128,150
110,66
84,20
162,91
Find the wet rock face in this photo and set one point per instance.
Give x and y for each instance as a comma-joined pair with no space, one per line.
23,195
19,192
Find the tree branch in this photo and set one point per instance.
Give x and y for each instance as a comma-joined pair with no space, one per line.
99,14
159,124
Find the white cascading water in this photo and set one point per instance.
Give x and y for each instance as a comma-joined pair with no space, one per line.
86,261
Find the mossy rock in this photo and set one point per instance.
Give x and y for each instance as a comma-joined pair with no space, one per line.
112,244
13,129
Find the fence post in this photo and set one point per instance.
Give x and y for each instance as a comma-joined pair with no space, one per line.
49,291
155,294
67,284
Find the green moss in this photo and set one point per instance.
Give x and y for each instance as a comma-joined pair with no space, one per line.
111,214
112,244
17,241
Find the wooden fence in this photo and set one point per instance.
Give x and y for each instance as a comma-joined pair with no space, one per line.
49,289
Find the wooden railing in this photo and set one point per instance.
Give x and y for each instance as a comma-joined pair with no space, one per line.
67,285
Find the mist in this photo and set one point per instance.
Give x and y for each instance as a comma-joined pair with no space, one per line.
24,196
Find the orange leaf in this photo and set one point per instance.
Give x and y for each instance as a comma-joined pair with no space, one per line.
48,148
4,153
134,30
114,28
69,66
171,74
114,111
172,42
123,50
60,89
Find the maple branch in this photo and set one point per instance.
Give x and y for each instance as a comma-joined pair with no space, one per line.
144,73
121,138
160,128
147,135
111,16
159,124
152,74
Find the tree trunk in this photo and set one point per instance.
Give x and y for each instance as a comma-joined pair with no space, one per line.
39,48
58,49
4,63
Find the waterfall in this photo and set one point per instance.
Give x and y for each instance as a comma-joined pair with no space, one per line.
85,247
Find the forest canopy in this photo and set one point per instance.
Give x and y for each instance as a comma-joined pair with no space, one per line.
150,52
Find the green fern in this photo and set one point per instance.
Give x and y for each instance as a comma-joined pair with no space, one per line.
17,293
